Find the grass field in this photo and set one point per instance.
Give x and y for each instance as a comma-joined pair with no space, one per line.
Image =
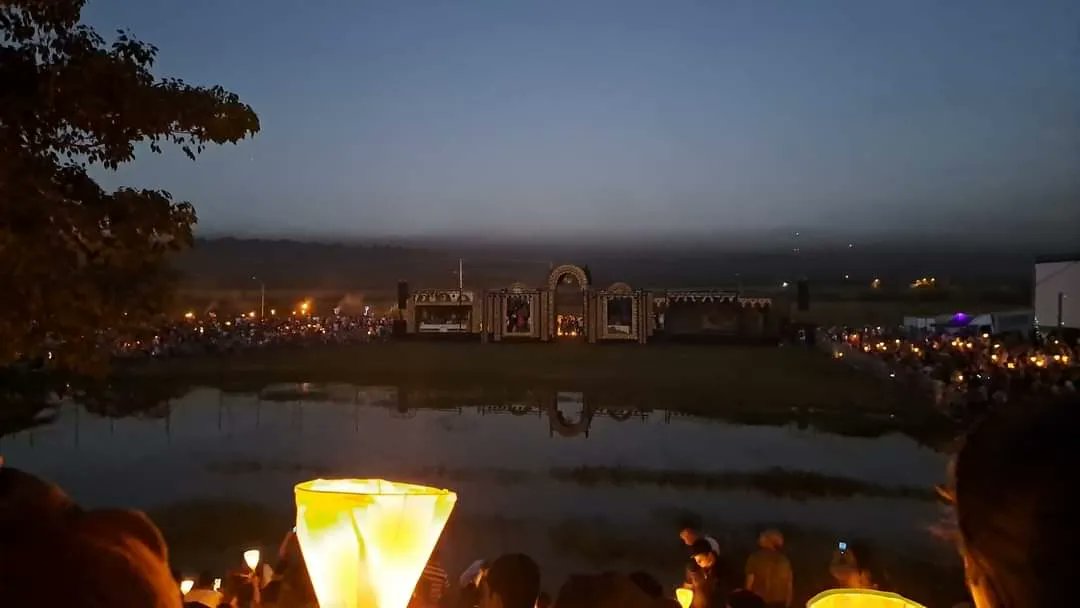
764,377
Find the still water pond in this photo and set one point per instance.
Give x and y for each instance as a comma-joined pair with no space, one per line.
580,488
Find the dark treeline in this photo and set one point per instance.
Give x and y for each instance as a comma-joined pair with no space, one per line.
230,263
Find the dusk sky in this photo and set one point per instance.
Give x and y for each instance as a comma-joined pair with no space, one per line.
516,118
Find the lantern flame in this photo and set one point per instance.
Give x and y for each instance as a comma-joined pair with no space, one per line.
366,541
685,596
251,558
186,586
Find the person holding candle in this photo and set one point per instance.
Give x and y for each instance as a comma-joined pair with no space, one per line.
709,576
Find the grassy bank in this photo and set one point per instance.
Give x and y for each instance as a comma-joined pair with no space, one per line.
764,377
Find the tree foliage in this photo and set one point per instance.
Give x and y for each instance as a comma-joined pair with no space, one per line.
79,265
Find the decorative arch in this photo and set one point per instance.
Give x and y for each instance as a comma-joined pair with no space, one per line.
620,288
518,287
565,269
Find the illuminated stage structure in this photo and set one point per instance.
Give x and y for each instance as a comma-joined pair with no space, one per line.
569,307
444,311
688,314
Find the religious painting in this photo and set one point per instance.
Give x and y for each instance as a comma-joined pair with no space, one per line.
519,314
619,313
444,319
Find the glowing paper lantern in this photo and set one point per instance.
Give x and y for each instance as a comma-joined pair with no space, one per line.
685,596
860,598
186,586
366,541
251,558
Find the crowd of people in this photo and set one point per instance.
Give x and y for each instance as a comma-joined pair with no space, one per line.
1014,525
214,334
965,372
514,580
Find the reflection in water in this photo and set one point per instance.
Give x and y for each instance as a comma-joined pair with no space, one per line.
579,482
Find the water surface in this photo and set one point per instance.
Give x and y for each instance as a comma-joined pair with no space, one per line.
578,487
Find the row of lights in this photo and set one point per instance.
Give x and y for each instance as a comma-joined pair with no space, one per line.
875,284
303,309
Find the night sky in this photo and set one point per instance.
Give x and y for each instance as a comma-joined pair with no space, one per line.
624,118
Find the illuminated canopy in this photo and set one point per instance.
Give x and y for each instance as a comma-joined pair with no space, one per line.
860,598
366,541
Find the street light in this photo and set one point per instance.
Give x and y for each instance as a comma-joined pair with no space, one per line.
262,297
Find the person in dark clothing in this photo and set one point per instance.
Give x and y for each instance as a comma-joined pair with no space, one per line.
1016,499
743,598
709,577
513,581
652,588
605,590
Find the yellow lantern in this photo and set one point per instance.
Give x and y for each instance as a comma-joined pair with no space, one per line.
860,598
366,541
685,596
251,558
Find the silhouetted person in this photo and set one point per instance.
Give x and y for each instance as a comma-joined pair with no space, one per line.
652,588
203,593
1017,499
53,553
744,598
709,577
690,532
768,571
608,590
433,584
468,595
512,581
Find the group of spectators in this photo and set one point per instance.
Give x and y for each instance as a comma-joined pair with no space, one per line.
1014,524
965,372
215,334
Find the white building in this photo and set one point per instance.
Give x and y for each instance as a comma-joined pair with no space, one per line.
1057,292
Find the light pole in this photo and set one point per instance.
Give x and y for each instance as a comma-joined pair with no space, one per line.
262,297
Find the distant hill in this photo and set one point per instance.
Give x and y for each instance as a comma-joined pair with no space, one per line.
230,263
